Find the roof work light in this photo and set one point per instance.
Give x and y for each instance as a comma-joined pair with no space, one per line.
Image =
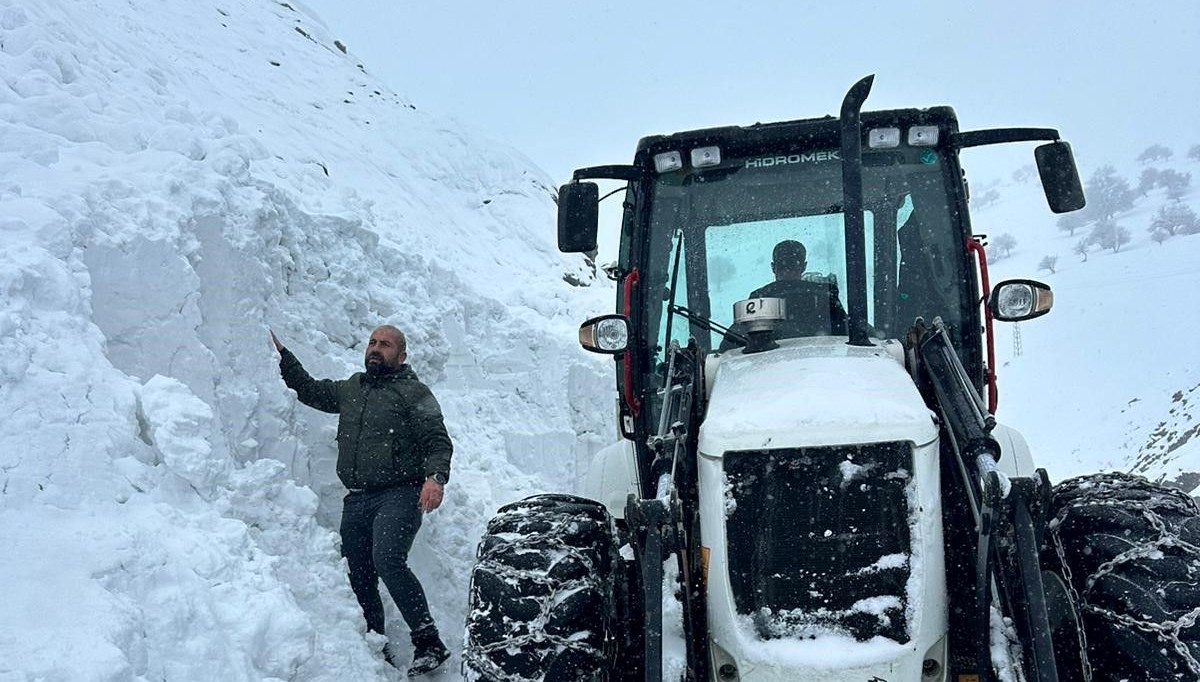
668,161
883,138
703,157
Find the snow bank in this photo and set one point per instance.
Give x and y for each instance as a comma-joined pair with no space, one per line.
179,178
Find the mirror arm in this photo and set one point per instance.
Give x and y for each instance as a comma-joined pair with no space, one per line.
979,138
614,172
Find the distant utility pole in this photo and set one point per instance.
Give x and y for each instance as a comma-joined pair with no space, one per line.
1016,339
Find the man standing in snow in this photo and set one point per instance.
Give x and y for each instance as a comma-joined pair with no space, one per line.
394,457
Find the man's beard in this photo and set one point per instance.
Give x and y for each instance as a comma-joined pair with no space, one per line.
378,368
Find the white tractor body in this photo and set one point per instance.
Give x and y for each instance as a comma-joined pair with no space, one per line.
807,395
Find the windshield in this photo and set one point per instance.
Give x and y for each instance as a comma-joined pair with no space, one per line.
729,223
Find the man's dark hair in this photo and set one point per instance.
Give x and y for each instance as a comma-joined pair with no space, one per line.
789,254
401,340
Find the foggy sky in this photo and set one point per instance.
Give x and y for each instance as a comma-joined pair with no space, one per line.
574,84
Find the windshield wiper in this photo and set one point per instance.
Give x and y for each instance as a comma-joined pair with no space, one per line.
671,290
708,324
695,318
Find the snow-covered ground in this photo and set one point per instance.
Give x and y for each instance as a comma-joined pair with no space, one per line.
1116,361
178,178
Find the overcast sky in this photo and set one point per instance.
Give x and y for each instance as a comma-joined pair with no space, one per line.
575,84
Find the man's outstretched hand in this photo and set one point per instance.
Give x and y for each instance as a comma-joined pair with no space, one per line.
278,346
431,495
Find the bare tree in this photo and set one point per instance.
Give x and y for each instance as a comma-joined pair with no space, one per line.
1175,182
1026,173
1194,152
1155,152
986,199
1174,218
1082,246
1108,193
1107,234
1069,222
1006,243
1048,263
1159,236
1148,180
1122,238
1171,219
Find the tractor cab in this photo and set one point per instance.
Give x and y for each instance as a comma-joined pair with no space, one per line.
705,212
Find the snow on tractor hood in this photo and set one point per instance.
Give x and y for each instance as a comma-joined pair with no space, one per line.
812,392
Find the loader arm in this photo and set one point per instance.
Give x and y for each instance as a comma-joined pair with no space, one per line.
668,522
1001,551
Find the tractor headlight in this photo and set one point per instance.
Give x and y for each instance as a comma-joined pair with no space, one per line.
605,334
1015,300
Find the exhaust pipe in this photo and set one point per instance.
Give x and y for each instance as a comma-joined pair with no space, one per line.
852,209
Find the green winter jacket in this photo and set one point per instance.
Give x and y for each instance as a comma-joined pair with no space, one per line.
390,428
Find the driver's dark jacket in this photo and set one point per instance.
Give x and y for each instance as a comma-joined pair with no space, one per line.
812,309
390,427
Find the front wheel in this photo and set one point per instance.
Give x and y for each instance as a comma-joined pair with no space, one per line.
543,594
1129,550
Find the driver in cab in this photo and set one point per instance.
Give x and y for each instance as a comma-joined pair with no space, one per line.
812,307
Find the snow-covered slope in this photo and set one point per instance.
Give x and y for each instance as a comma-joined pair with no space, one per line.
178,178
1109,379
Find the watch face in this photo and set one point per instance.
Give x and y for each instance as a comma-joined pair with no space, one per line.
440,479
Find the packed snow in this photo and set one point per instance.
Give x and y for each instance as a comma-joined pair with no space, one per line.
180,178
755,396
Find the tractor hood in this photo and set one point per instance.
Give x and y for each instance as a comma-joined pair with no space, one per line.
812,392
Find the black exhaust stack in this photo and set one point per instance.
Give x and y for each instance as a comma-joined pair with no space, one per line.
852,209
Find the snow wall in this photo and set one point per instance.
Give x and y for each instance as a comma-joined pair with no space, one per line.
178,178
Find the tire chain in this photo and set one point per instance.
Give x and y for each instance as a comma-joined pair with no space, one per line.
549,539
1076,600
1168,631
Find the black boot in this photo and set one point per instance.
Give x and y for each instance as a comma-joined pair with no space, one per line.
428,651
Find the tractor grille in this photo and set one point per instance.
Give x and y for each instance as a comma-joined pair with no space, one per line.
819,540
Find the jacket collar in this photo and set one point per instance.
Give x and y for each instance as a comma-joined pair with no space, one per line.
403,373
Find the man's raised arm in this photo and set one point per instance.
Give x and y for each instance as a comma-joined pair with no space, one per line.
320,394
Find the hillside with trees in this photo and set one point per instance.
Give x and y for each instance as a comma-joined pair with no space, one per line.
1148,199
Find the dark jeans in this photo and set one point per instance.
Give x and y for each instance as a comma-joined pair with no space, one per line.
378,528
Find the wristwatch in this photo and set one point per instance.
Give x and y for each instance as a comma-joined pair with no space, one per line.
439,478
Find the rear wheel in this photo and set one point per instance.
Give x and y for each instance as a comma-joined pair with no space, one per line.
1129,550
543,593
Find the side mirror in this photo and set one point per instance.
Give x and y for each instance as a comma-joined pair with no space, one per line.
1016,300
608,334
578,215
1060,177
